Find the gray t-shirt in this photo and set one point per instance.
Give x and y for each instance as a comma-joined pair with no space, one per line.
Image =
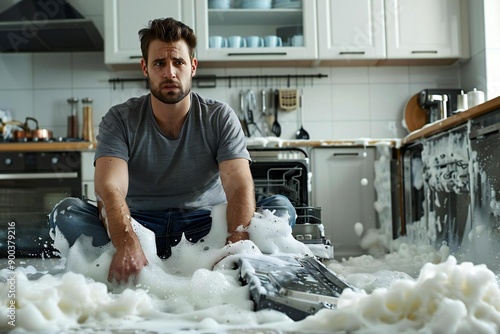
167,173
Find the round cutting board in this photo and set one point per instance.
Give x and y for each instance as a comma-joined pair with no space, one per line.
415,117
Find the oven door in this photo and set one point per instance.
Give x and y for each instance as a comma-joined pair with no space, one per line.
26,199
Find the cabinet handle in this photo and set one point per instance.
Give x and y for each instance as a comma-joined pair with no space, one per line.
352,53
85,191
424,51
258,54
135,57
336,154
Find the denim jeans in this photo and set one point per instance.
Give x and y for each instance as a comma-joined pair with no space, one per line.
74,217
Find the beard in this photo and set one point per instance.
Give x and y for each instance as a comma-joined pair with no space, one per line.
170,97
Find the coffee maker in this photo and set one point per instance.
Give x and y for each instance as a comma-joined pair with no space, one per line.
439,102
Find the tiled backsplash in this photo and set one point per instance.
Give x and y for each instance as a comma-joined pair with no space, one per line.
351,102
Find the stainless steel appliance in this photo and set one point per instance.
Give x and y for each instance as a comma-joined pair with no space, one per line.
295,286
285,171
31,183
439,103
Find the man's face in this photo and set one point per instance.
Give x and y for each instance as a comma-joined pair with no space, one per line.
170,70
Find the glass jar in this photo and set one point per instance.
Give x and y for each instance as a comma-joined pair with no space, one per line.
88,124
72,118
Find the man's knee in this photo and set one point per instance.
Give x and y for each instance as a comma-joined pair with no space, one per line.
281,205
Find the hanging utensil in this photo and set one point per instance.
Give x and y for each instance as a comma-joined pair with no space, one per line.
301,133
242,117
276,128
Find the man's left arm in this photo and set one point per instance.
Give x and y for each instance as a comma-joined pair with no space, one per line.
238,184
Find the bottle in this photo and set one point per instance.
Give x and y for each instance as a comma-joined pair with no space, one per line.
88,124
72,118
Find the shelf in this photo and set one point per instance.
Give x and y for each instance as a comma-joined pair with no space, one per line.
273,17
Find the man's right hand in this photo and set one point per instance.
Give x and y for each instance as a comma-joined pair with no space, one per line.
127,263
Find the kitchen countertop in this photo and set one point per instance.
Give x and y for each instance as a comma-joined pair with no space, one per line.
452,121
46,147
274,142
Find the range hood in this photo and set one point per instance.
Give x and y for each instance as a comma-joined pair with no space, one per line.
47,26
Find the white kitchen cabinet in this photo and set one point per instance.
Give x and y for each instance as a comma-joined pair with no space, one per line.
426,29
343,186
351,30
124,18
237,21
88,175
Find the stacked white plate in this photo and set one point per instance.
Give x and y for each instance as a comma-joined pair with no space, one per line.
219,4
287,4
256,4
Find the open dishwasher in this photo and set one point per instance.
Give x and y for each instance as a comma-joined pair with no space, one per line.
285,171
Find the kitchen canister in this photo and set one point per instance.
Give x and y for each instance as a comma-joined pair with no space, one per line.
475,97
88,124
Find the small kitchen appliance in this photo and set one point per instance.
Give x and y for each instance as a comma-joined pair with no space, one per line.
440,103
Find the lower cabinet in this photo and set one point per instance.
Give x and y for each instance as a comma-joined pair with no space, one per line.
88,175
343,186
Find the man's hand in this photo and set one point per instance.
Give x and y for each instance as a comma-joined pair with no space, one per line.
127,262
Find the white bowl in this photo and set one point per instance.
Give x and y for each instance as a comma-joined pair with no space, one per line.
257,4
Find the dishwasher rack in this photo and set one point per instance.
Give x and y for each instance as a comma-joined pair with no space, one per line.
281,171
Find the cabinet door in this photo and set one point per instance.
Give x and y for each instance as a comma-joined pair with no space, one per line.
424,29
343,186
297,18
351,30
124,18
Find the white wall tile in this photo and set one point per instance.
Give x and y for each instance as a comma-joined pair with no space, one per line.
317,104
16,71
51,107
351,129
89,71
350,102
387,101
349,75
439,75
18,102
381,75
493,66
52,70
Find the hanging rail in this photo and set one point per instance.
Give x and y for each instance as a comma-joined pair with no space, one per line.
210,81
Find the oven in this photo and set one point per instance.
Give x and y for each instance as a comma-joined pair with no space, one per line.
31,183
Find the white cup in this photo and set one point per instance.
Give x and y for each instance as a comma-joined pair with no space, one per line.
217,42
236,42
255,42
272,41
298,40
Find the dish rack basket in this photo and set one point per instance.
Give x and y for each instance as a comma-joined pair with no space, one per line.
308,215
281,180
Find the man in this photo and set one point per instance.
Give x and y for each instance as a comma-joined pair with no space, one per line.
165,159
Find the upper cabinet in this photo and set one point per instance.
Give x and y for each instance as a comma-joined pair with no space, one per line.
264,30
296,33
426,29
351,30
124,18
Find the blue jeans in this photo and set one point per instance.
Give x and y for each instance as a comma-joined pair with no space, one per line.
74,217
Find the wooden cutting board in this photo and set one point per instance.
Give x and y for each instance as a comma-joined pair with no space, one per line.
415,117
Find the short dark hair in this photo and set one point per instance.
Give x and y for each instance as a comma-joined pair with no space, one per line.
167,30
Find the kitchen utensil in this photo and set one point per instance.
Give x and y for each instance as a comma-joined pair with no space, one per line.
288,99
242,117
25,133
276,128
415,117
251,106
301,133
